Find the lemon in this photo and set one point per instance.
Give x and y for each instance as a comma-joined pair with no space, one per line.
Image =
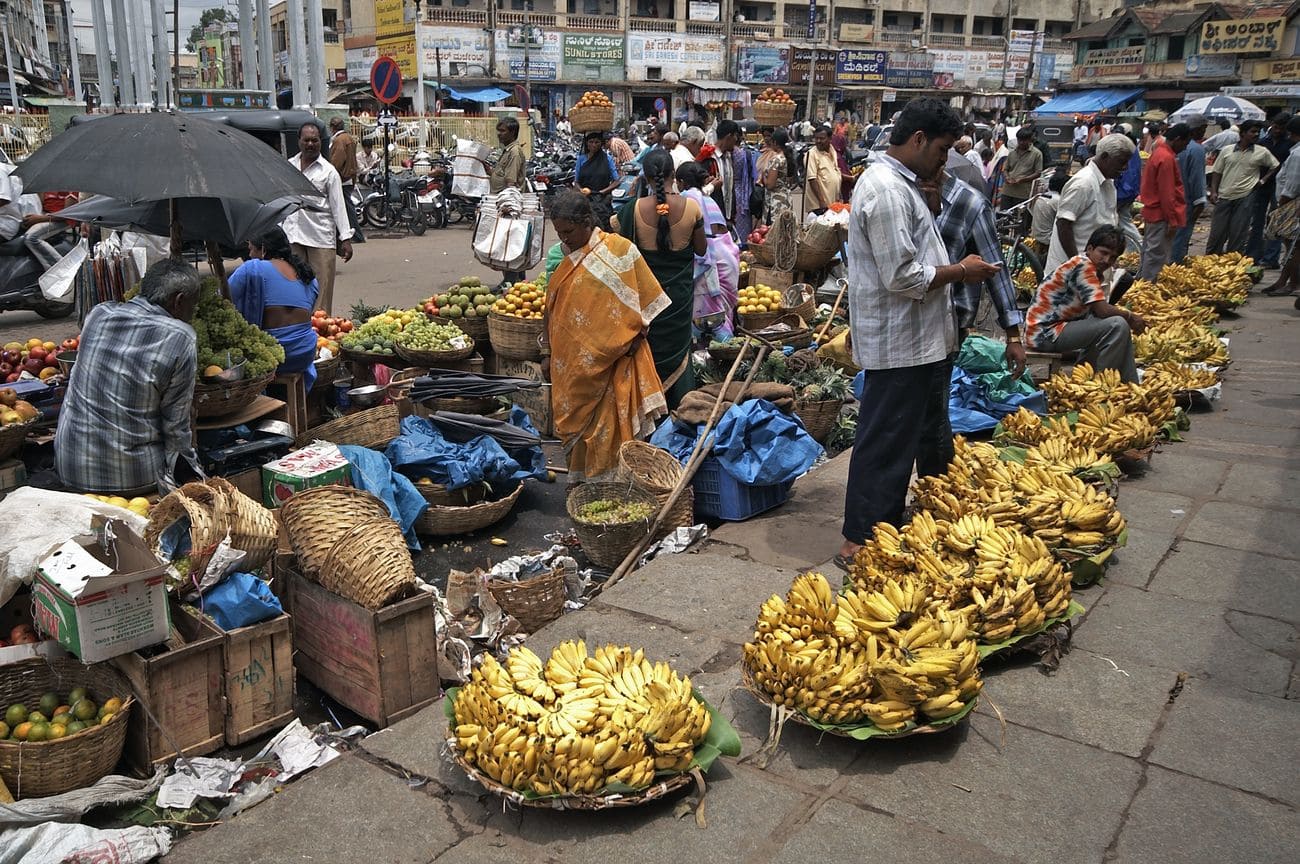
138,502
119,501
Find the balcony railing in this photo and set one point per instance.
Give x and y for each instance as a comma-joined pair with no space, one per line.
704,28
540,19
653,25
594,22
987,42
899,35
746,29
800,31
454,16
946,40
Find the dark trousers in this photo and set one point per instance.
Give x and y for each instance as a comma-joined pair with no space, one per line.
352,210
902,420
1262,250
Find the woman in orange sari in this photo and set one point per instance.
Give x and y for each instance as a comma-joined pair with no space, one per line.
599,305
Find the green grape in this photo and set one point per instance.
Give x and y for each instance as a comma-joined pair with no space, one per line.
223,337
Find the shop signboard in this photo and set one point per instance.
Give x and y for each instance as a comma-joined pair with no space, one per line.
595,57
764,64
543,61
462,51
401,49
677,56
1045,70
801,61
1284,70
390,18
704,10
1211,66
855,66
1113,63
857,32
1242,36
911,70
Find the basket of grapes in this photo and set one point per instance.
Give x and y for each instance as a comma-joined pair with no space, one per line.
236,360
426,342
610,519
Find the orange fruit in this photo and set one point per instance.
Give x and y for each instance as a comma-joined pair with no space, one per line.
22,730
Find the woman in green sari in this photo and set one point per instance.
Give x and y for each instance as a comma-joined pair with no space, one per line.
668,229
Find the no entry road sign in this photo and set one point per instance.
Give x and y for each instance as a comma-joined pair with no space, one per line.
386,80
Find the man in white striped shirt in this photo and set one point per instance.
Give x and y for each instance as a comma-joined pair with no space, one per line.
902,319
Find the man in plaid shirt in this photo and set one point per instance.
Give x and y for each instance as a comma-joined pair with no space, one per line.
126,416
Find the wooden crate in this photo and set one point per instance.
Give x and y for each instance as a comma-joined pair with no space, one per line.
182,688
536,402
381,664
259,678
291,390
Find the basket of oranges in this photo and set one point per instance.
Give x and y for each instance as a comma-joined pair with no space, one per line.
516,321
594,112
773,107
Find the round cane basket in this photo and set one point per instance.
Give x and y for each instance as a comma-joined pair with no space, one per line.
811,258
369,564
797,333
373,427
252,526
328,370
592,118
317,518
434,358
535,602
725,355
773,113
657,472
763,254
218,400
368,358
476,328
514,338
819,417
442,521
40,768
207,523
440,496
607,545
12,437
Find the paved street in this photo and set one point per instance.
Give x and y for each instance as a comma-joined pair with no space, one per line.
1168,734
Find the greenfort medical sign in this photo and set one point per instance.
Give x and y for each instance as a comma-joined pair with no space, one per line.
593,57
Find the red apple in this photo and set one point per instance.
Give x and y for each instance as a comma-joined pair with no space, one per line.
37,353
51,360
33,365
22,634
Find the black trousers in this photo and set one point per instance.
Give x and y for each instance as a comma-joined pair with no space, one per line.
902,420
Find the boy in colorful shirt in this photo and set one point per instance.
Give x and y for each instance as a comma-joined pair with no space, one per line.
1071,311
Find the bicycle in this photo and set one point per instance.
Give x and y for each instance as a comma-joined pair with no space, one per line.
1012,226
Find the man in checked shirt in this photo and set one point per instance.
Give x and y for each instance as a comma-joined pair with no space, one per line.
965,221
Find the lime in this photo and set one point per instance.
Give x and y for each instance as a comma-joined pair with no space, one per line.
84,709
49,701
16,713
38,732
77,695
37,717
76,726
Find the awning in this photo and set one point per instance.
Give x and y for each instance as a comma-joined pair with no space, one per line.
478,94
1088,101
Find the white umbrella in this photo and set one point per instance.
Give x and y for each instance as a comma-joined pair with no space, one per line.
1214,107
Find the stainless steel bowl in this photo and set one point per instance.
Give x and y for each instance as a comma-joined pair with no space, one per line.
368,396
66,359
228,376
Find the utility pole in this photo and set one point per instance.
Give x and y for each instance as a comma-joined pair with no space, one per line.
9,65
297,50
162,80
247,45
265,50
528,41
315,31
75,51
125,74
103,55
728,10
419,72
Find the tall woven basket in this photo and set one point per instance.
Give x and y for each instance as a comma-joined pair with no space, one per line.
608,544
446,519
819,417
535,602
657,472
369,564
199,510
252,526
773,113
40,768
514,338
317,518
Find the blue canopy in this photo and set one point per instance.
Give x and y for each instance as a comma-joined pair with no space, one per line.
478,94
1088,101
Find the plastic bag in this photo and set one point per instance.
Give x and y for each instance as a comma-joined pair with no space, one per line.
240,600
55,842
423,451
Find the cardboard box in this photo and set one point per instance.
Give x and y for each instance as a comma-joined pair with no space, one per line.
103,596
778,279
13,473
19,611
312,466
182,687
383,663
536,402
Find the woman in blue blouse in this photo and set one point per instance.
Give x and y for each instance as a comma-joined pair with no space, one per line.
596,175
276,290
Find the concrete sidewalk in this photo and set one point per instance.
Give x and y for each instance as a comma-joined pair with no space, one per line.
1168,734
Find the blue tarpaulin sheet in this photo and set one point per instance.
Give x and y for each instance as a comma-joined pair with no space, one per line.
477,94
1088,101
422,451
240,600
372,472
756,443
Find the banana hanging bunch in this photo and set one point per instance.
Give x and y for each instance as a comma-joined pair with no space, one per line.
1177,377
1083,386
886,657
579,722
1179,343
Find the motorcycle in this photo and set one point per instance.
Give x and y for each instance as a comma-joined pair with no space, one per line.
20,275
399,207
432,199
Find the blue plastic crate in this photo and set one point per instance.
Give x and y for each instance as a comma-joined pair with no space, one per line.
722,496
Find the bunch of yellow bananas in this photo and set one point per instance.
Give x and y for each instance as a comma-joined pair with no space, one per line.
891,656
1210,278
1129,261
1179,343
1083,386
578,723
1104,427
1067,456
1159,308
1177,377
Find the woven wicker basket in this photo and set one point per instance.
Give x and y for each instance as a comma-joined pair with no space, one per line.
252,526
773,113
328,370
373,427
441,521
799,335
218,400
819,417
476,328
369,564
514,338
13,436
37,769
317,518
428,359
207,523
607,545
440,496
593,118
368,358
657,472
535,602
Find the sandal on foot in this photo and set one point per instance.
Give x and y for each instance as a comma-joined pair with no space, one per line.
843,561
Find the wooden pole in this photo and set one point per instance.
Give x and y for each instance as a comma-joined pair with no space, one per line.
696,459
175,217
844,286
218,266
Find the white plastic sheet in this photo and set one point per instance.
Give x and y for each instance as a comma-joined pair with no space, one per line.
55,843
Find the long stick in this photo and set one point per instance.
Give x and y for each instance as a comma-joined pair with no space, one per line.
696,459
844,286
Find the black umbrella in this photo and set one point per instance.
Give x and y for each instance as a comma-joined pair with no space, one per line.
230,222
161,156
